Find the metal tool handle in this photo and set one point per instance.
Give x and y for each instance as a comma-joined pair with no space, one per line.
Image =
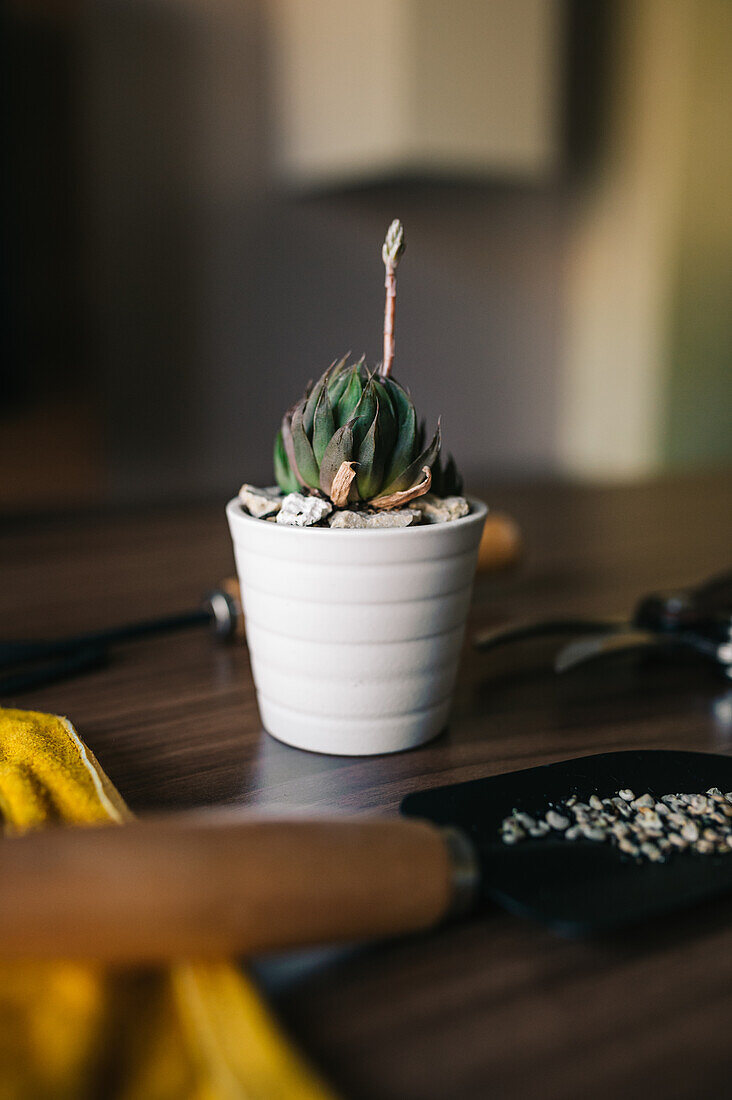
33,664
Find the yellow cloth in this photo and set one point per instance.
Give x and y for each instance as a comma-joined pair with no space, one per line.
77,1031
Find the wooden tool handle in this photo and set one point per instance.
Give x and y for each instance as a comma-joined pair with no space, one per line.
500,544
211,885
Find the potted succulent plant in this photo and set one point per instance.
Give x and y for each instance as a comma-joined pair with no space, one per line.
356,570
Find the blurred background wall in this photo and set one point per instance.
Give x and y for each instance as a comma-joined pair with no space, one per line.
199,191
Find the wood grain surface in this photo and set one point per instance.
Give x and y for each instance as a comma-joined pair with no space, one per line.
491,1008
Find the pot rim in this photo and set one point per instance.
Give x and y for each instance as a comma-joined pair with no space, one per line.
478,512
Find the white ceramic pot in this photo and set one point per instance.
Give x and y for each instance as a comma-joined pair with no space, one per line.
355,635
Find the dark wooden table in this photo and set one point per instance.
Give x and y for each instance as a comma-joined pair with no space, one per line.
495,1007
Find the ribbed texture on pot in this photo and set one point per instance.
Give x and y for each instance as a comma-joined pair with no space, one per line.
355,636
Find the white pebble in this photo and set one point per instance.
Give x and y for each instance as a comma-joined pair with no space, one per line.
442,509
300,511
398,517
261,503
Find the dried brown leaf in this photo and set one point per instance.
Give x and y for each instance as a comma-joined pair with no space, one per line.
396,500
341,484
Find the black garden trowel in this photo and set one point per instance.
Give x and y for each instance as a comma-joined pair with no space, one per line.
581,887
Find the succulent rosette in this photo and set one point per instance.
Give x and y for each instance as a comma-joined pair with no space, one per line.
354,438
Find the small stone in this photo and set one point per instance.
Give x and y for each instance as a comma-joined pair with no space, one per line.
300,511
441,509
261,503
398,517
649,821
347,519
643,828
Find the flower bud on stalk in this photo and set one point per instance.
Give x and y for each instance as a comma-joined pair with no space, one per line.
353,437
391,254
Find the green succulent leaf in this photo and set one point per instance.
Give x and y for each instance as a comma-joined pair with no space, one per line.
405,446
351,396
304,457
363,414
311,403
338,451
337,383
284,476
286,432
323,425
337,370
370,457
413,473
387,419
